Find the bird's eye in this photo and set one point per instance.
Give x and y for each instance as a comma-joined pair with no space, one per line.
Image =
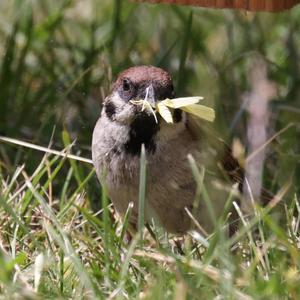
126,89
126,85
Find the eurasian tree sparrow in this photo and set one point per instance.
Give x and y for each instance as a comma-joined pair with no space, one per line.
117,139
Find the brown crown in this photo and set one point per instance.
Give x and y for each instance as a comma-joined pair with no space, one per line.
140,74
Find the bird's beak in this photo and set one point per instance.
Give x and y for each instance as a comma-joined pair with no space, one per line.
150,95
147,104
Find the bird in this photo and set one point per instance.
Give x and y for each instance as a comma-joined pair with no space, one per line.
124,127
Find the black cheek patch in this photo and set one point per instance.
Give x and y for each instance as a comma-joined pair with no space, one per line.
110,109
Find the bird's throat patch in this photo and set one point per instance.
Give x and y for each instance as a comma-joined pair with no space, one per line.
142,131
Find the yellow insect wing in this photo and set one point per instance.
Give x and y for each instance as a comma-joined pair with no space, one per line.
164,111
180,102
200,111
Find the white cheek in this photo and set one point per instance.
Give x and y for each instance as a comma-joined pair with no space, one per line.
124,110
117,100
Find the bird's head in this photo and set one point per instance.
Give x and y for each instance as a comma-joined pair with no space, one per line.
132,125
138,83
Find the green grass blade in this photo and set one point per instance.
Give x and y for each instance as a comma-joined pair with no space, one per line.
142,192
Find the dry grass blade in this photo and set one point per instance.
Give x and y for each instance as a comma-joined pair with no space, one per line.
44,149
210,271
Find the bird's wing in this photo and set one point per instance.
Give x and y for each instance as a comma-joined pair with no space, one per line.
222,154
223,157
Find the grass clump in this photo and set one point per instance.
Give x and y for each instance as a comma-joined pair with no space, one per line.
62,249
59,234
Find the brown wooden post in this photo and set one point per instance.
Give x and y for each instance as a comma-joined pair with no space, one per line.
251,5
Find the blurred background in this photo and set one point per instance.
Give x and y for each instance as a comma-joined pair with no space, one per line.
59,58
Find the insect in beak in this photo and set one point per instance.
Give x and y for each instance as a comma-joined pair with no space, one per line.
148,103
164,108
